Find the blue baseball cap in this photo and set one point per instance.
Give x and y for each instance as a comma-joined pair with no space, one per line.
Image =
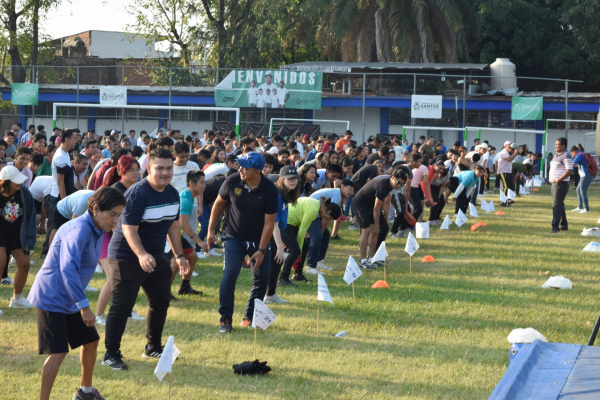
252,160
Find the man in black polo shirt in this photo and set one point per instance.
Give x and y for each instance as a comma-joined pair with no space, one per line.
370,215
381,154
252,202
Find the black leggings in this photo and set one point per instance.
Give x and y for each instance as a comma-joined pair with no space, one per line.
289,238
437,209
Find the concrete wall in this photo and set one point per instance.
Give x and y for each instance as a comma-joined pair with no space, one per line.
354,115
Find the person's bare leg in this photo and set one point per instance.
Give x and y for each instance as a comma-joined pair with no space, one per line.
372,243
174,269
52,236
106,291
49,372
22,260
336,227
3,257
192,258
363,242
87,356
422,212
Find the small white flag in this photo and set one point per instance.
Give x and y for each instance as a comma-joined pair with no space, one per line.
446,224
537,181
521,189
352,271
491,207
484,205
323,293
461,218
511,194
380,254
502,197
263,316
411,245
167,358
472,210
422,230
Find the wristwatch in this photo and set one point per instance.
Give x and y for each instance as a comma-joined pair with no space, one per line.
264,251
180,256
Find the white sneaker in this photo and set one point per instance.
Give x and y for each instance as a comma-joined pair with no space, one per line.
12,261
7,281
313,271
576,210
393,235
136,317
275,299
213,253
99,269
100,320
323,266
200,255
353,227
90,289
1,312
584,212
21,303
194,273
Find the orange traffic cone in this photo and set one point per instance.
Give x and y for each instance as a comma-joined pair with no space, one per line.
482,224
428,259
500,213
536,190
475,226
380,285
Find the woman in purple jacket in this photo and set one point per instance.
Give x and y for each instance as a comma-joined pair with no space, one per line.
64,317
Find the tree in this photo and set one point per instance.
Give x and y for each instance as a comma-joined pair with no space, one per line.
581,17
395,30
173,21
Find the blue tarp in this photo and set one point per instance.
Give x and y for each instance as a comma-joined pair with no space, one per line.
551,371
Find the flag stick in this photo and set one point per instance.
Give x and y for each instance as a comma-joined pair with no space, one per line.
410,264
353,297
255,343
170,376
318,307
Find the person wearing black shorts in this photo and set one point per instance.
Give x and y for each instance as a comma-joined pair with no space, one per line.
370,215
64,317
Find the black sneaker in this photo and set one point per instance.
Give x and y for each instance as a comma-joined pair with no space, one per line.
286,282
152,352
115,362
300,278
564,228
503,205
336,237
189,290
93,395
173,298
378,264
554,231
226,326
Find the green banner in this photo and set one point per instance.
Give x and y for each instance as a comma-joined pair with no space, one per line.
527,108
24,94
270,89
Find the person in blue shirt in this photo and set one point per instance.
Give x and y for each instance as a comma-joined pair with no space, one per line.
64,317
585,178
462,185
289,192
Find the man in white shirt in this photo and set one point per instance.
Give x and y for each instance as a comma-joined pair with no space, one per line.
283,94
252,94
268,85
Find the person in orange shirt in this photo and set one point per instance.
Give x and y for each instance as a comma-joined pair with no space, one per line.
343,143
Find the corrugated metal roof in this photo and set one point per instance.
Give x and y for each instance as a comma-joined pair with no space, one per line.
339,66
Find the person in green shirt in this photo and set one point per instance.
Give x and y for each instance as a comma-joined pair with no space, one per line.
46,168
427,147
300,217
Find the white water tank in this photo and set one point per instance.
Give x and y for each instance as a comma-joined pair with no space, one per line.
504,74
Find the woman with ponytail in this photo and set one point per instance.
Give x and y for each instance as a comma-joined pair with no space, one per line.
121,177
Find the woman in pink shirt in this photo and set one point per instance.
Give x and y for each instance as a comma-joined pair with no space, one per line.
420,174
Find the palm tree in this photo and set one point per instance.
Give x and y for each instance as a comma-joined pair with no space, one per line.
395,30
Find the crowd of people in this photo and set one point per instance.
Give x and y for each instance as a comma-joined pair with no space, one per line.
142,209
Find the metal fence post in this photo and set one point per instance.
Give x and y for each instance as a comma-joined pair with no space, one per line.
363,105
32,107
122,110
170,89
78,97
567,108
464,101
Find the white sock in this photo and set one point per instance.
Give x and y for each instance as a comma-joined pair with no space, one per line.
16,297
364,260
86,389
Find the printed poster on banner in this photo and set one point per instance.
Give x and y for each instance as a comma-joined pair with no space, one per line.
426,107
323,294
411,245
352,271
114,95
527,108
263,316
270,89
24,94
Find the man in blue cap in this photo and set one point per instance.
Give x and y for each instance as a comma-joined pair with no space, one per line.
252,202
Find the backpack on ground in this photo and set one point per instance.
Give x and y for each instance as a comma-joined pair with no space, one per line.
592,164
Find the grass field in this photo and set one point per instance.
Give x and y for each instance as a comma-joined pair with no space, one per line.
439,333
